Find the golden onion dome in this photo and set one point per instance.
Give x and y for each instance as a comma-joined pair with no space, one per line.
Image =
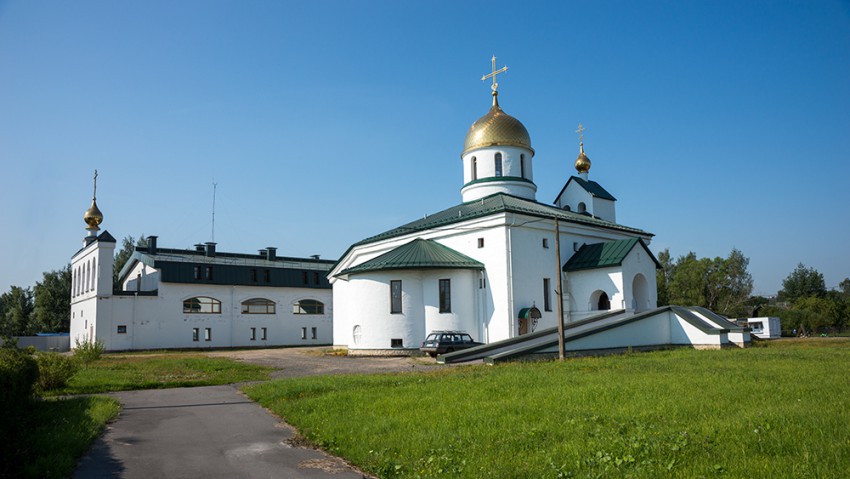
496,128
582,162
93,217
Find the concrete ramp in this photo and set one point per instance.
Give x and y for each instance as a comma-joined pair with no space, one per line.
613,331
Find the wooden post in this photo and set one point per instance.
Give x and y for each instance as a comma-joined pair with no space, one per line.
561,352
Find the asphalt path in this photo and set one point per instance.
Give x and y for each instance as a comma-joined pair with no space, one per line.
203,432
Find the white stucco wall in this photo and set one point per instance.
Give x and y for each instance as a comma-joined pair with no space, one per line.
511,167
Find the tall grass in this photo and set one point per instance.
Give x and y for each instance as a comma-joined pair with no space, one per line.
777,411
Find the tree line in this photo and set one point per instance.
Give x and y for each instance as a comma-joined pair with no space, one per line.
46,308
724,286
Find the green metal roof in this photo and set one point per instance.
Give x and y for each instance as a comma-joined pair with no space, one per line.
591,187
493,204
604,255
418,254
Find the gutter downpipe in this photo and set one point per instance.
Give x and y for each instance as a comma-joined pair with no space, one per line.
561,352
510,284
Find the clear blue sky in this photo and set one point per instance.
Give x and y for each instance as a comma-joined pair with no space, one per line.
716,124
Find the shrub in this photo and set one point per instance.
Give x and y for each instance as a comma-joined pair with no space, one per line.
88,351
18,375
54,370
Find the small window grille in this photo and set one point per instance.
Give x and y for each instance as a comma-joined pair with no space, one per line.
396,343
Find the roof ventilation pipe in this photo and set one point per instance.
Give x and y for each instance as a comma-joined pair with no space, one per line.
210,248
152,245
272,253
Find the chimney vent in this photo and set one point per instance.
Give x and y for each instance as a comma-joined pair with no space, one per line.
272,253
210,250
152,244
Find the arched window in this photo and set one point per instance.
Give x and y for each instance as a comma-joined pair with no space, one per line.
258,306
567,208
604,304
86,277
308,306
358,334
93,273
640,293
522,165
498,164
582,208
474,168
202,305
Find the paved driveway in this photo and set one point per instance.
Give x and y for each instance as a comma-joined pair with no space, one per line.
204,432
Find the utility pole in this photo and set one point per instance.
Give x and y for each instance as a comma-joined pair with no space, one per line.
561,351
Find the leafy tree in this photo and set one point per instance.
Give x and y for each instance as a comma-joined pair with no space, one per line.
816,313
128,246
801,283
844,285
17,312
721,284
662,277
52,310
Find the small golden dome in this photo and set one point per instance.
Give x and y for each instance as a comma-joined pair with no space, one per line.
93,217
582,162
496,128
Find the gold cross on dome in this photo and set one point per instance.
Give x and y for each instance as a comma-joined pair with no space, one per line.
494,73
580,132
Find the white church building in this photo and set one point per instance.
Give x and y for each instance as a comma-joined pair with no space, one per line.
489,266
196,298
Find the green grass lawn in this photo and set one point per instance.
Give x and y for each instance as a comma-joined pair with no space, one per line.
121,372
60,431
777,411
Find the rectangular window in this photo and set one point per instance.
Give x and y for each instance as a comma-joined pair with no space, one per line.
303,333
445,296
395,296
316,277
197,274
253,334
396,343
546,243
207,334
209,273
315,333
482,283
122,329
480,242
263,334
195,332
304,277
547,304
254,275
267,276
498,161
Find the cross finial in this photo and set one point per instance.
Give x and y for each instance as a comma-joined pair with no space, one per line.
580,132
493,74
94,195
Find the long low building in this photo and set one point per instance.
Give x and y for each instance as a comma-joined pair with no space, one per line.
196,298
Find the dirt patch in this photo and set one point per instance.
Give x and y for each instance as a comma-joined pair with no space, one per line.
316,361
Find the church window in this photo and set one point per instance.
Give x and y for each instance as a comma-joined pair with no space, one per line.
122,329
582,207
474,168
263,334
253,334
480,242
258,306
315,333
94,273
254,275
547,300
195,334
522,165
567,208
308,306
357,333
202,304
207,334
395,296
396,343
445,296
498,164
546,243
209,273
303,333
604,304
197,272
